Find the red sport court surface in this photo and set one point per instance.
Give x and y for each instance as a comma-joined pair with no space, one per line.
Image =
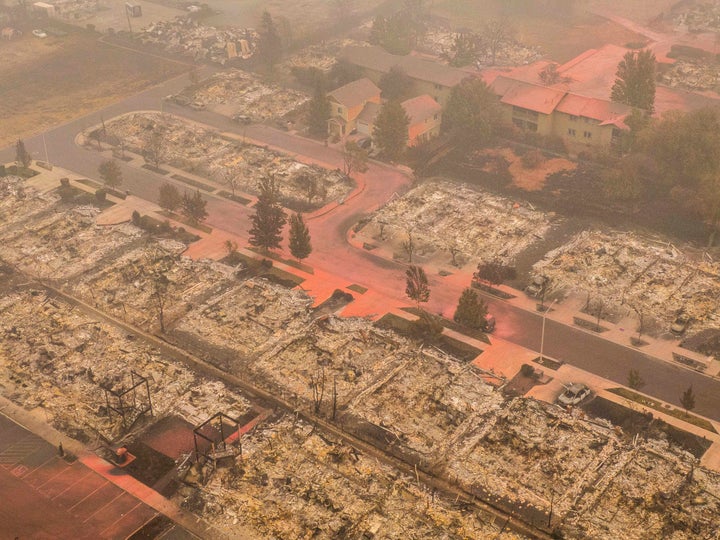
42,496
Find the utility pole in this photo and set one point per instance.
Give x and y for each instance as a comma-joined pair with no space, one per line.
542,334
127,14
47,160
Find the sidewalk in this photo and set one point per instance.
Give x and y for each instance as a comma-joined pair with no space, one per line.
620,333
505,359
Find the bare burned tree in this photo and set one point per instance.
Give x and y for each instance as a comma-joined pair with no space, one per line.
497,32
231,181
409,246
317,385
334,400
160,286
454,250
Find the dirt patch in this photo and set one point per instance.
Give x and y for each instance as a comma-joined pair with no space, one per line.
531,178
42,83
636,423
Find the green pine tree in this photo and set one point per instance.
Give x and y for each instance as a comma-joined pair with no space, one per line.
635,82
300,245
391,130
269,217
471,310
318,113
269,49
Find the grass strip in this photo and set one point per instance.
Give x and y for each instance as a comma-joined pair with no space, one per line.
654,404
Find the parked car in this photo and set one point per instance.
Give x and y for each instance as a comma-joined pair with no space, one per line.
680,324
536,286
573,395
365,143
197,106
39,33
242,119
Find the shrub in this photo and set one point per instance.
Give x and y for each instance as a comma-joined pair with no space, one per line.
526,370
427,328
532,159
100,195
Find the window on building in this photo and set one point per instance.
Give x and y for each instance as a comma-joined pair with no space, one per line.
573,118
339,110
435,117
587,135
571,132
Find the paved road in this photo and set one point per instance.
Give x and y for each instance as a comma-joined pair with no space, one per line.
334,255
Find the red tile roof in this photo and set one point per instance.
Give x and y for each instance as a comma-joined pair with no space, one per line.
526,95
607,112
421,108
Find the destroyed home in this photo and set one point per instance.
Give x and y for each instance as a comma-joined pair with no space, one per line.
454,222
435,410
440,42
223,391
205,153
634,274
236,93
187,37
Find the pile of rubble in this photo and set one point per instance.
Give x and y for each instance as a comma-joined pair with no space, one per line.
440,42
693,76
187,37
22,204
319,56
651,483
293,482
203,152
61,245
49,357
74,10
442,216
237,93
702,17
292,479
446,398
129,285
634,273
242,321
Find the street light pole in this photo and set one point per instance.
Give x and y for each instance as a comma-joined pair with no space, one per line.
47,160
542,334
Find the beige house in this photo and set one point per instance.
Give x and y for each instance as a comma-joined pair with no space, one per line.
429,77
425,116
346,104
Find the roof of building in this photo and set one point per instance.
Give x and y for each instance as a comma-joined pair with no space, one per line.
607,112
355,93
526,95
378,59
421,108
369,112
